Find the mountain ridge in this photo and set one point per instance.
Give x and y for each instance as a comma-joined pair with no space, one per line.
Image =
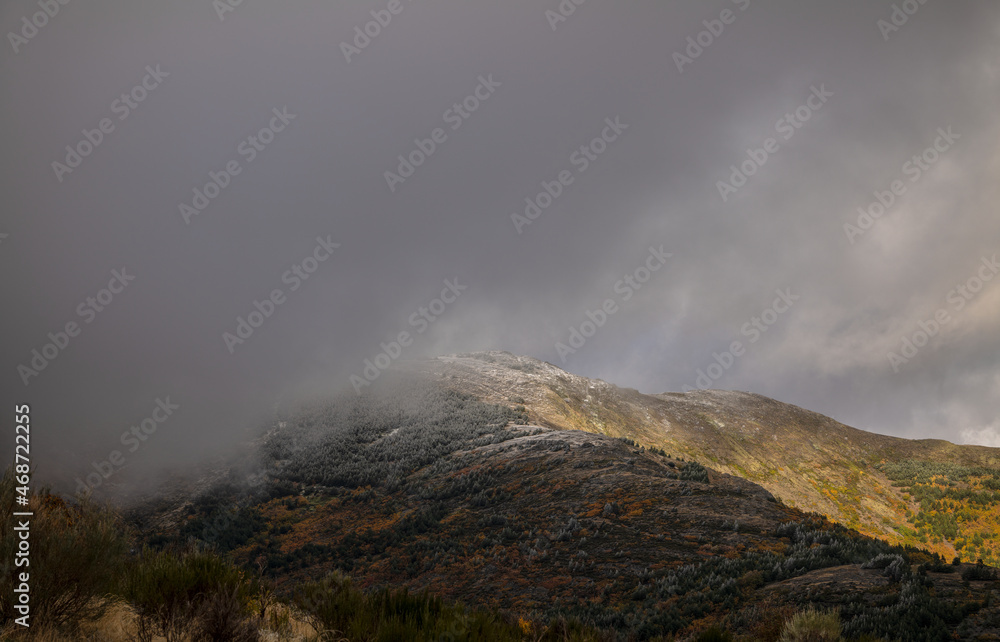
804,458
510,485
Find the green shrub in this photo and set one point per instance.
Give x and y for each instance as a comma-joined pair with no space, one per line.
694,471
175,594
979,572
913,614
812,626
222,618
76,557
894,566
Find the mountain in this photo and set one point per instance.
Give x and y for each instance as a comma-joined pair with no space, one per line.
512,486
928,493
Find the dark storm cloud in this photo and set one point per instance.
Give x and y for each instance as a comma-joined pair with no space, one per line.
328,122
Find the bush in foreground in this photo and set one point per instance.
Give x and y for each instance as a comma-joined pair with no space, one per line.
812,626
75,558
338,610
191,593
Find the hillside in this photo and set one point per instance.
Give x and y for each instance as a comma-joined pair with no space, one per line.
433,489
807,460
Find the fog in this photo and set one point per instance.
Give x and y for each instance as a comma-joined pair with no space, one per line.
174,173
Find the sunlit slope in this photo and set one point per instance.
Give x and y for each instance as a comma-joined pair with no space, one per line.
806,459
431,489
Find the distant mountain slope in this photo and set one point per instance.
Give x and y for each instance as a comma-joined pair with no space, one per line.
806,459
430,488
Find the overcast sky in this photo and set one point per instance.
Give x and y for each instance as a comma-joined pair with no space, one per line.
819,107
